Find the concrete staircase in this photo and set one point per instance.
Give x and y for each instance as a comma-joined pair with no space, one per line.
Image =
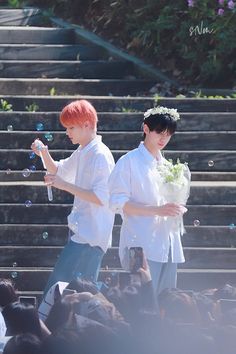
53,67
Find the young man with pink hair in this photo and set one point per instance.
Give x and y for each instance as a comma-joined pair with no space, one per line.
85,175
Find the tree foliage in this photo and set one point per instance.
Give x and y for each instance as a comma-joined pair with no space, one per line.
193,40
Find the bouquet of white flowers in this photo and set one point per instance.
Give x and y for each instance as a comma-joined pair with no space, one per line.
175,185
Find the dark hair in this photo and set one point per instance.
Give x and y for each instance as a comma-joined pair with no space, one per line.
26,343
63,342
7,292
92,338
127,301
178,306
205,306
21,318
59,315
160,123
83,285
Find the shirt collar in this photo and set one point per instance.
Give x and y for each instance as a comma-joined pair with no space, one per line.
97,139
148,156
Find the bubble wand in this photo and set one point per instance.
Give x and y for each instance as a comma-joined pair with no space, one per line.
49,188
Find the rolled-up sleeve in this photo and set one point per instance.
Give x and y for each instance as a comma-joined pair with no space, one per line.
120,186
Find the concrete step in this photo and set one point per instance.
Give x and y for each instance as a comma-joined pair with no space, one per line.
198,279
198,161
20,17
210,193
57,235
36,35
223,161
46,256
213,176
50,52
123,104
38,175
90,69
207,215
107,121
101,103
125,140
73,86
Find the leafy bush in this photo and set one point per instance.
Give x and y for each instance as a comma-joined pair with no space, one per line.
194,40
5,106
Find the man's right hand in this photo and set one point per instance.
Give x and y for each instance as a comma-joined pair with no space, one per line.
38,146
171,209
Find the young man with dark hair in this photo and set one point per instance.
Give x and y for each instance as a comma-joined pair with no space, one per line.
135,194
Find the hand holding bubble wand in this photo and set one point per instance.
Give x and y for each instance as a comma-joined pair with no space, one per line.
49,188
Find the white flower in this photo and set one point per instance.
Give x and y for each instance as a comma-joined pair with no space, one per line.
172,173
162,110
175,181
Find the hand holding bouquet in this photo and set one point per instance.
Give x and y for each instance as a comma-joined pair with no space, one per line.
175,185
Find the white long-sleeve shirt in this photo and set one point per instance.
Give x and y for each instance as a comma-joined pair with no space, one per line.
89,168
135,178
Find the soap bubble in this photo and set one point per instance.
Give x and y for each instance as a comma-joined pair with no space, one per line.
28,203
210,163
9,128
32,155
14,264
45,235
39,147
196,223
108,281
8,171
32,168
14,275
48,136
26,172
39,126
231,226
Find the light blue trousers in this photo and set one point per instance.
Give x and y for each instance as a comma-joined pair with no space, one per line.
76,260
164,275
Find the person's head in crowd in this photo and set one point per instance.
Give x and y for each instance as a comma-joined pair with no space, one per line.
104,340
21,318
62,342
94,310
225,292
207,308
92,338
26,343
128,301
82,285
7,292
60,315
178,306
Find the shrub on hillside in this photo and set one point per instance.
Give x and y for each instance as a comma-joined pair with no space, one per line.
194,40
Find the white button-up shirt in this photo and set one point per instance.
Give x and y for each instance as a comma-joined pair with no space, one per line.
135,178
89,168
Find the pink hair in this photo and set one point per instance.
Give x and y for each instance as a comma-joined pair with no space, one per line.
77,113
